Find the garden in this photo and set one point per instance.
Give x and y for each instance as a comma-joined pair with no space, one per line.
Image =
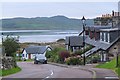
61,55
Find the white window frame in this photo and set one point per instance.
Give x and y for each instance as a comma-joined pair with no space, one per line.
104,37
109,37
101,36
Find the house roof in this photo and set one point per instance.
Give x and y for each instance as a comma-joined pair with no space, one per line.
111,29
118,25
99,44
74,40
36,49
96,28
91,51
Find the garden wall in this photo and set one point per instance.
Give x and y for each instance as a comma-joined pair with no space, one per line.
8,63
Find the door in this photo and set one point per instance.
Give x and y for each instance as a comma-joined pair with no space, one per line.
29,56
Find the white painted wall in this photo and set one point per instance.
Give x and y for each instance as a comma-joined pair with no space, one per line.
32,56
24,55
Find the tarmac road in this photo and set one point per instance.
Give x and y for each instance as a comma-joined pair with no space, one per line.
57,71
30,70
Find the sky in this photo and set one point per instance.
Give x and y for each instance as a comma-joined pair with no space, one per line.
48,8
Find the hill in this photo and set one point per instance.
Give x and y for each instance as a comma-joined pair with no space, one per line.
43,23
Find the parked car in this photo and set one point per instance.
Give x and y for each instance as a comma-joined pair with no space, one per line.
40,58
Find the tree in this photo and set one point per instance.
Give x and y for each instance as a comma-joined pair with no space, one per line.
11,46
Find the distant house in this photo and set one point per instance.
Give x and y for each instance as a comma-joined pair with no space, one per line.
73,42
29,52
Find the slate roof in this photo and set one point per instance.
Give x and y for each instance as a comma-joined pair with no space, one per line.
92,28
111,29
100,44
36,49
91,51
118,25
74,40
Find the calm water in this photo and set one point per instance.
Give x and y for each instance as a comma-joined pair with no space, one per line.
40,35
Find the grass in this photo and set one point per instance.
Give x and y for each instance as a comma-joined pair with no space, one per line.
10,71
110,65
29,60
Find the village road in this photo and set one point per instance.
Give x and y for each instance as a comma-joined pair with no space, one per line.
45,71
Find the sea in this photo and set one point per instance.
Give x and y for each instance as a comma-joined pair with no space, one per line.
39,36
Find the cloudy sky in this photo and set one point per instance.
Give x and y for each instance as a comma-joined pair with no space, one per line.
48,8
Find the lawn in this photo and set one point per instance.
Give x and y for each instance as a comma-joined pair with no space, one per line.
10,71
110,65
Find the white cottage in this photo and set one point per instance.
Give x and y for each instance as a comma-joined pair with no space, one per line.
29,52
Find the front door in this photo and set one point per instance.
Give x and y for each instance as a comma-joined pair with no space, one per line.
29,56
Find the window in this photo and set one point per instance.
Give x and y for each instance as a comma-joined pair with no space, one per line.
108,37
23,55
105,37
26,55
101,36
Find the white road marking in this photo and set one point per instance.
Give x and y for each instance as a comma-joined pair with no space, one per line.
49,75
51,72
111,78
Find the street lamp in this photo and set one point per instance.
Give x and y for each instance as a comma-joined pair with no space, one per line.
83,21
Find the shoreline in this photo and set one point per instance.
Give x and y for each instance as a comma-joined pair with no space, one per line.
58,43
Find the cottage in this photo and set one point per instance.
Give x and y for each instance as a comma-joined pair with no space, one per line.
74,42
29,52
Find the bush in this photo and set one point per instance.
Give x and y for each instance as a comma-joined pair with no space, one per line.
53,56
73,61
78,52
63,55
10,46
48,54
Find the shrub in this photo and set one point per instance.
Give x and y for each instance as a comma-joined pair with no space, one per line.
53,55
78,52
48,54
63,55
73,61
10,46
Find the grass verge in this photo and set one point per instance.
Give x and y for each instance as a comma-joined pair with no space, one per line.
10,71
110,65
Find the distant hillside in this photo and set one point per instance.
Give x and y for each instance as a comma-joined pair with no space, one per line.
43,23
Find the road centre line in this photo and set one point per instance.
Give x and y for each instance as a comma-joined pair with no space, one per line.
49,75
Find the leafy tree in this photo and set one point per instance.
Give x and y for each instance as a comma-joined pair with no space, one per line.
11,46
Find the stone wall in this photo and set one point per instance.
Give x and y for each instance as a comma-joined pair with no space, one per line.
115,48
8,63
